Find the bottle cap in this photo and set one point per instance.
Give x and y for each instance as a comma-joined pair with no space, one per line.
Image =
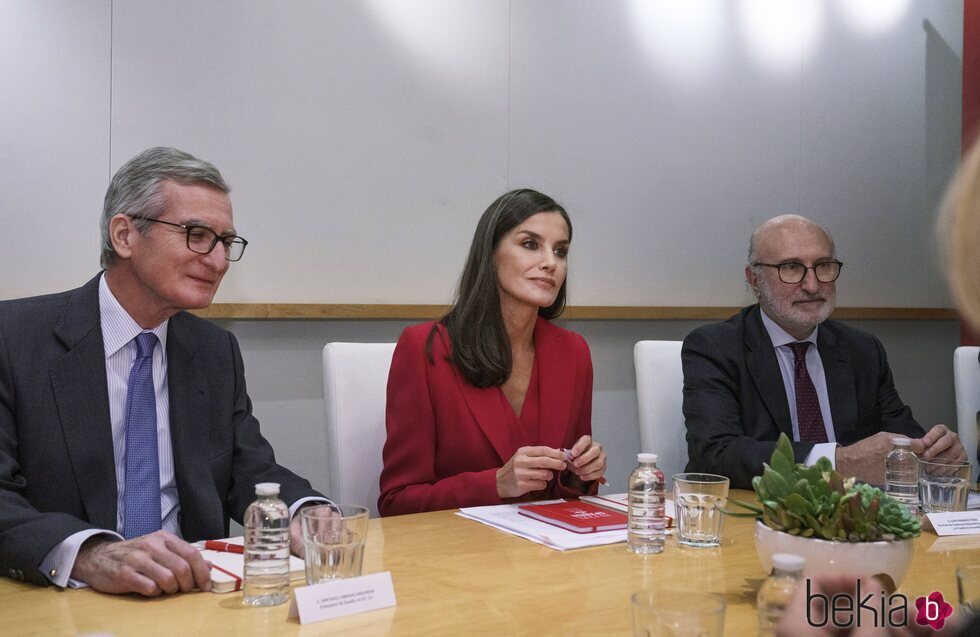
901,441
788,562
646,458
267,488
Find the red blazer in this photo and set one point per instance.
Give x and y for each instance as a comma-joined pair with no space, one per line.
447,438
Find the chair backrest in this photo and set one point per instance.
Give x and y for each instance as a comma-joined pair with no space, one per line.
355,380
966,381
659,396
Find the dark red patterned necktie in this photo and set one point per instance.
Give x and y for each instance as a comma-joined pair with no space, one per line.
808,415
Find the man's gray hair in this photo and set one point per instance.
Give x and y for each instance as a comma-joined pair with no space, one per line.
135,188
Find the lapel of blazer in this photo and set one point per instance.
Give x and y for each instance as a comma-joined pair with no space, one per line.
839,373
81,395
189,430
486,406
764,370
556,383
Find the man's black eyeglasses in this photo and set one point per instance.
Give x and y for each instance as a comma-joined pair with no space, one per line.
792,272
201,239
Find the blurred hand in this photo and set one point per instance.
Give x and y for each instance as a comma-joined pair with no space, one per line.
296,544
588,459
865,459
939,442
530,469
324,513
149,565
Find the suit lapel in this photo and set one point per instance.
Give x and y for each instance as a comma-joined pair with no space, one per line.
839,375
764,370
556,383
489,410
556,376
189,430
487,407
81,394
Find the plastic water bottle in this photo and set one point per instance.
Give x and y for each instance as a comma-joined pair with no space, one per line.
777,591
645,531
902,474
266,548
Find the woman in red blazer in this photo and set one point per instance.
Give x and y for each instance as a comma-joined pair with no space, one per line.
483,404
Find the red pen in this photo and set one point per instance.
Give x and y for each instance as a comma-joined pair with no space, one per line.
569,457
224,547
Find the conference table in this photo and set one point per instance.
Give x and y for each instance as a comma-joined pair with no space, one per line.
454,576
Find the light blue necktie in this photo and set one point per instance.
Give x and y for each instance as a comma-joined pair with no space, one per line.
141,490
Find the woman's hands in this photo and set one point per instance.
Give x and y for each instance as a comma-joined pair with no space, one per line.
587,459
531,468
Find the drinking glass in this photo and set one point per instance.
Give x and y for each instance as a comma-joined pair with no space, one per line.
698,501
677,614
968,586
333,538
943,485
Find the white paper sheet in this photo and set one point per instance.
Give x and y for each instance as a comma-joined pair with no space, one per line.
504,517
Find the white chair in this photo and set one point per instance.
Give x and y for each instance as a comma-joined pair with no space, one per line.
659,396
966,381
355,379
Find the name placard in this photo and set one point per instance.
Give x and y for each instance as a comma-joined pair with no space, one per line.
955,523
342,597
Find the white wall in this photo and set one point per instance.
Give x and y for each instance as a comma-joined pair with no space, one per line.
363,139
54,135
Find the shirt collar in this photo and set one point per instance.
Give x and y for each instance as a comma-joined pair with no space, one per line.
118,327
780,337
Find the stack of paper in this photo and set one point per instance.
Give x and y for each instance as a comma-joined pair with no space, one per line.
506,518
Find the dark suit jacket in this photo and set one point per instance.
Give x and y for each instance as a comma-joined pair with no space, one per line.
735,404
447,438
57,472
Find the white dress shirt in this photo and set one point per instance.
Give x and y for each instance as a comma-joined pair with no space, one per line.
781,341
119,332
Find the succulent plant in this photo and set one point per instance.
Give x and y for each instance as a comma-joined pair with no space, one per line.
816,501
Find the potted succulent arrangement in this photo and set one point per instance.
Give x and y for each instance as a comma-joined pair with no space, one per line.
837,524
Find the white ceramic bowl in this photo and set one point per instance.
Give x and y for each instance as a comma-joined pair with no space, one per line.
891,558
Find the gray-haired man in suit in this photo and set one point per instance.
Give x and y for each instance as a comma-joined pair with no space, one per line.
783,366
126,430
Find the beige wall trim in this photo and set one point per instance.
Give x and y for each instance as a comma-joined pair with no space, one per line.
326,311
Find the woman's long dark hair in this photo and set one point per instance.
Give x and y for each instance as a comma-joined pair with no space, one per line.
480,346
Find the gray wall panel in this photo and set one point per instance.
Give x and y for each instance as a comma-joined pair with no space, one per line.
54,131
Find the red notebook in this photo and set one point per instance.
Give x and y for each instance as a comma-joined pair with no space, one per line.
579,517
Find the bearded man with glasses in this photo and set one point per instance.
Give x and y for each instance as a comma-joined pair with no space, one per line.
782,366
126,431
